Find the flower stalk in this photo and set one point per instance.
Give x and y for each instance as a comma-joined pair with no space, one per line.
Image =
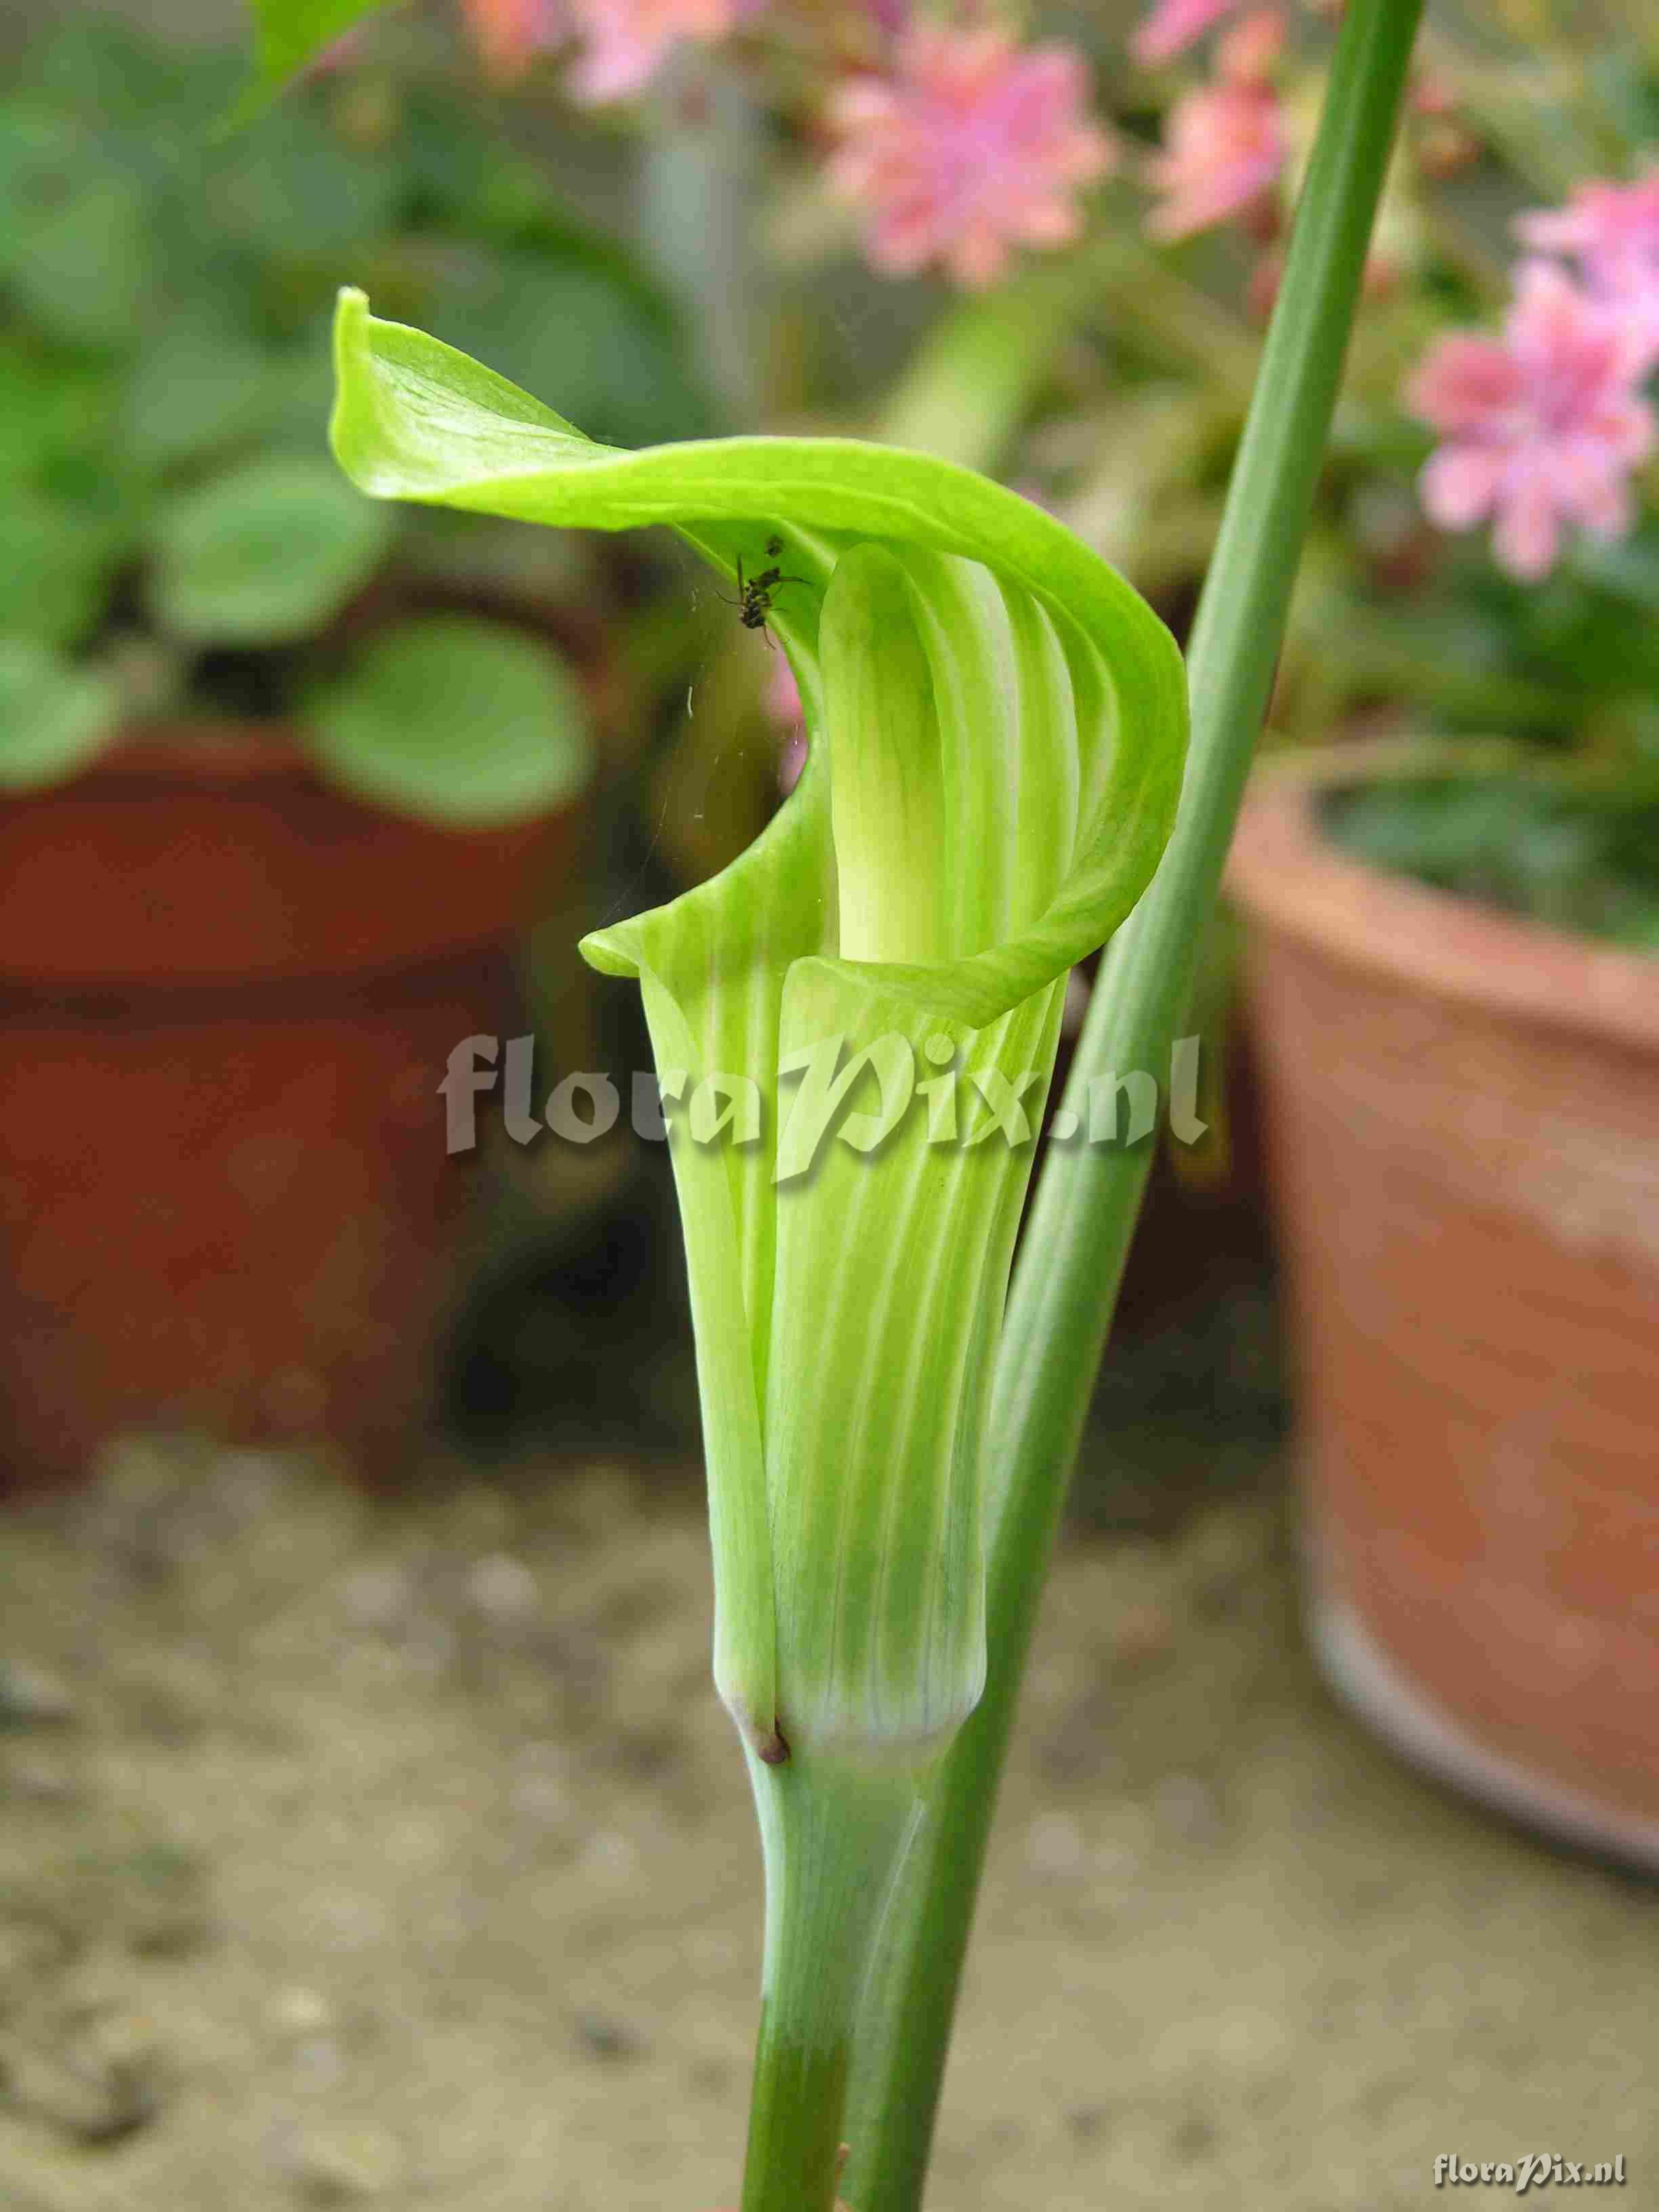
834,1838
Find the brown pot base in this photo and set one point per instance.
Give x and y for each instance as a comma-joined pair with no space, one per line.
1362,1675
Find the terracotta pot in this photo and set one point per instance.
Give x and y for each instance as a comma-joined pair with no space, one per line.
1463,1139
227,996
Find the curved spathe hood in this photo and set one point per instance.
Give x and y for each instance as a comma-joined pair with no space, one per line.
997,726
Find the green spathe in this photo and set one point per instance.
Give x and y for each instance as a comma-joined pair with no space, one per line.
997,725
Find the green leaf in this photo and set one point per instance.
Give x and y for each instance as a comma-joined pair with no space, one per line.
59,560
119,76
293,190
56,408
196,387
263,554
54,717
288,33
75,250
454,720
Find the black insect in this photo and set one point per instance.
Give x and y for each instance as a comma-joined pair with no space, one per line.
753,599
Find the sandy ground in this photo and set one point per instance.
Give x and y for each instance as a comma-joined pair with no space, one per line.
399,1855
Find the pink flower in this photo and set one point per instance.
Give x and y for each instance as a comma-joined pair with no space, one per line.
1224,145
625,40
1173,26
1613,232
1542,426
972,145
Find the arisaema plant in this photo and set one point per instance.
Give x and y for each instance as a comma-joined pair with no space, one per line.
858,1020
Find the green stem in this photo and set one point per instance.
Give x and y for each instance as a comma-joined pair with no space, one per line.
835,1836
1084,1214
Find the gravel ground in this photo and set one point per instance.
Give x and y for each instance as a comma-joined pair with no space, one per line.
399,1855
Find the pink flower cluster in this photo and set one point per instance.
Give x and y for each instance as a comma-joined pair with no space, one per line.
624,42
1224,142
1612,231
1543,425
970,146
966,146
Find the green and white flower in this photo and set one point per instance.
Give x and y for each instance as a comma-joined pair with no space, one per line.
997,725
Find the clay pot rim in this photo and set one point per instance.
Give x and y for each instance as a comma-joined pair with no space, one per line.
217,750
107,892
1287,874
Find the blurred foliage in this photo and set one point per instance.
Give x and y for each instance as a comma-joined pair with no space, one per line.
1583,859
675,262
165,296
287,34
59,715
261,553
1573,661
401,724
